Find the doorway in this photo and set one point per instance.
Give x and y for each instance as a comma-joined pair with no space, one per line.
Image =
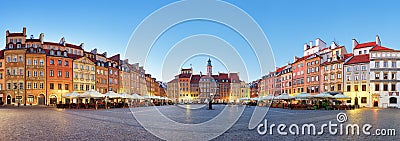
375,103
356,101
41,99
8,99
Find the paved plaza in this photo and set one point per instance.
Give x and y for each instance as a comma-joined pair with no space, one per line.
38,123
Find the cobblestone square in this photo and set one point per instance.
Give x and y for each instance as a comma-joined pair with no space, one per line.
37,123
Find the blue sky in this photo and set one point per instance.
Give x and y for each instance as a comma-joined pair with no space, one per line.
108,25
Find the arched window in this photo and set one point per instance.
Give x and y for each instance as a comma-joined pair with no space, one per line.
393,100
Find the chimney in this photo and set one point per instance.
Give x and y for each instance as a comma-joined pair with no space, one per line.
62,41
377,40
24,31
82,45
295,58
41,37
305,46
333,45
201,74
94,51
7,33
355,43
105,54
311,44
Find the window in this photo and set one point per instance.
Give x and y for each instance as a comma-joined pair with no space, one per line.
21,59
394,65
356,77
363,68
87,87
66,87
81,87
35,73
60,62
376,87
87,67
339,66
51,86
385,64
59,74
29,73
67,74
28,62
41,62
363,99
348,69
348,78
41,73
30,98
339,87
66,63
393,76
51,73
332,76
385,87
75,66
364,87
393,100
51,62
385,76
41,85
75,87
35,85
339,75
377,76
59,86
376,64
35,62
355,87
28,85
393,87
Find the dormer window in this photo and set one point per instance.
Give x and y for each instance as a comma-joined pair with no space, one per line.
51,52
18,45
59,53
10,46
65,54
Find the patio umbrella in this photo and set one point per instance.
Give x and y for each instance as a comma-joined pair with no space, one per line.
303,96
244,98
284,96
72,95
268,97
136,96
323,95
255,98
112,94
92,94
341,96
126,96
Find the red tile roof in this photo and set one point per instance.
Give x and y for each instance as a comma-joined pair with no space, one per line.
73,46
32,40
234,76
358,59
280,69
15,34
184,75
302,58
369,44
115,58
348,55
195,79
380,48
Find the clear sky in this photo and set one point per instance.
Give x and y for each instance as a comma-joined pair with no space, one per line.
108,25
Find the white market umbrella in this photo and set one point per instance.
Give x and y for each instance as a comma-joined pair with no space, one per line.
92,94
303,96
341,96
72,95
284,96
323,95
136,96
126,96
112,94
268,97
244,98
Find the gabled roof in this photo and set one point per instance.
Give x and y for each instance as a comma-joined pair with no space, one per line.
348,55
280,69
302,58
358,59
195,79
380,48
368,44
184,75
15,34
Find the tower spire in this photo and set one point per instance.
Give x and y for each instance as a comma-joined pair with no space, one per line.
209,67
